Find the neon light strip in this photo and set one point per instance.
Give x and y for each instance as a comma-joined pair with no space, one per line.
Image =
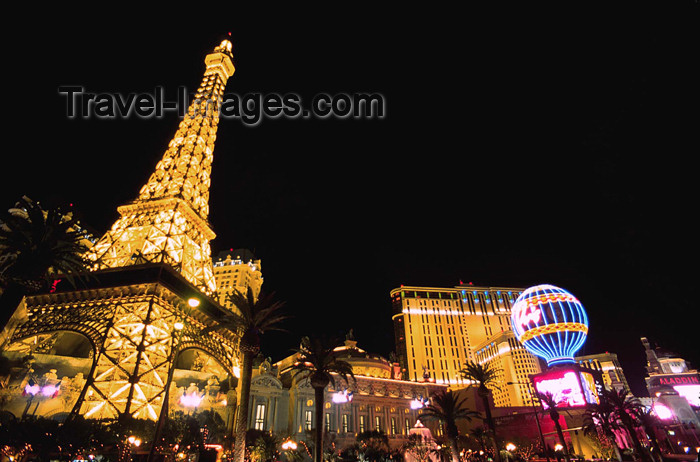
552,297
566,333
552,329
418,311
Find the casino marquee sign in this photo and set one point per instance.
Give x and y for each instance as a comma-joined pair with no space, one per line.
673,380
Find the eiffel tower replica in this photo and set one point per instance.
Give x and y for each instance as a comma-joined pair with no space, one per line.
151,290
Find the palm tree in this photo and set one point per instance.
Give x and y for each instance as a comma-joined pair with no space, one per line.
372,445
447,408
626,409
650,423
484,377
600,417
479,434
36,245
265,447
257,316
548,400
319,362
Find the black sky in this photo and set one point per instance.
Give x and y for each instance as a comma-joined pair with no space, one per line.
520,147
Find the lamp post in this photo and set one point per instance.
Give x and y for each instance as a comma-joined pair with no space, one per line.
178,326
534,410
510,448
32,390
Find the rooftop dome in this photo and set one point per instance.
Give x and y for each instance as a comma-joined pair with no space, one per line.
363,363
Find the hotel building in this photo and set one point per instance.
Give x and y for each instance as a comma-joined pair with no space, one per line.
673,384
237,270
609,367
504,353
437,330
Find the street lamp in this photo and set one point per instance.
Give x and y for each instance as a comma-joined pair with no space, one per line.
289,445
31,389
510,447
534,410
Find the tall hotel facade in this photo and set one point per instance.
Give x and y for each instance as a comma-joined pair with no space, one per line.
437,330
237,270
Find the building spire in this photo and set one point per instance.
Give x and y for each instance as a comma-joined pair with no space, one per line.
185,169
168,221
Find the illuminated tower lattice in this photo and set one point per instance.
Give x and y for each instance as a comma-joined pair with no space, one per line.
168,221
136,311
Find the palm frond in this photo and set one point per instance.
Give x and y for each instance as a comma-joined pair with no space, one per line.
318,358
260,315
483,374
37,245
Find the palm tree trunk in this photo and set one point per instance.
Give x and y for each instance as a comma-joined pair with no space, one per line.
318,401
618,455
560,433
492,428
454,450
611,437
629,426
242,418
655,444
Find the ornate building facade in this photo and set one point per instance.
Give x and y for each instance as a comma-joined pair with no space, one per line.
674,387
375,401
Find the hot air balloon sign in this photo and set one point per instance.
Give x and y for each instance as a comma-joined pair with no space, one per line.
550,323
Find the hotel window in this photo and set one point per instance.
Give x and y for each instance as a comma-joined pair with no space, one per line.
328,422
393,425
362,423
260,417
377,423
308,415
346,427
407,427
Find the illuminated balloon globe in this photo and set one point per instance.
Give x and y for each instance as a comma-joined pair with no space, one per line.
550,322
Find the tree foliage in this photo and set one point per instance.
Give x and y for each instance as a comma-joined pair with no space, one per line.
319,362
37,245
484,377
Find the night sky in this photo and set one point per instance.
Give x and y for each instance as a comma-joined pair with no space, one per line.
518,148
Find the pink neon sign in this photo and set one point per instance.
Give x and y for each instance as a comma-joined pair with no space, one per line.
526,313
565,387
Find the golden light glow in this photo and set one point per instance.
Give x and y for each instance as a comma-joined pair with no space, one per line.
132,326
168,222
549,328
289,445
